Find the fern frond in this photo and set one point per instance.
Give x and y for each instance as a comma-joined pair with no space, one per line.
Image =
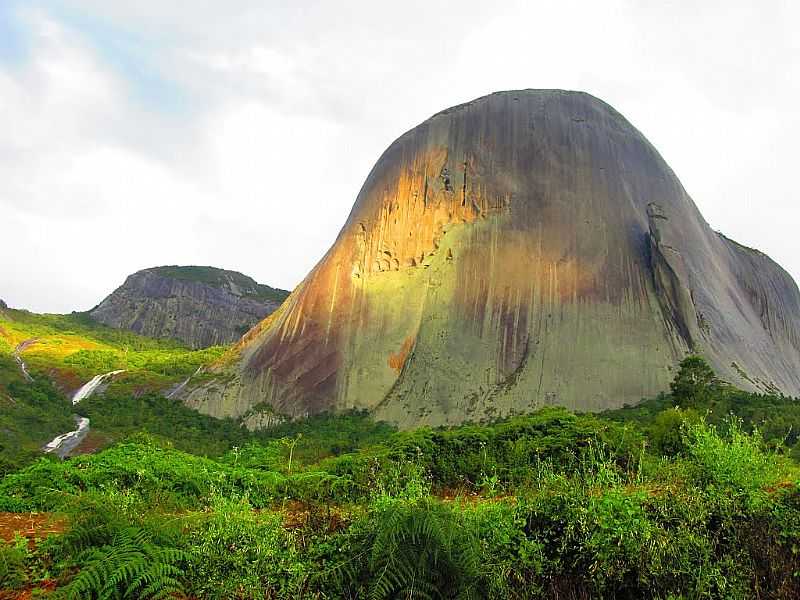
421,551
130,566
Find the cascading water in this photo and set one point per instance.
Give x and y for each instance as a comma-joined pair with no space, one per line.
89,388
184,384
66,442
23,367
18,357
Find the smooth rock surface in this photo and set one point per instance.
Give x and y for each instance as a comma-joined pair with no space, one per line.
527,248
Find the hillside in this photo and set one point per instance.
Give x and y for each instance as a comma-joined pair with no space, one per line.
45,359
198,306
672,498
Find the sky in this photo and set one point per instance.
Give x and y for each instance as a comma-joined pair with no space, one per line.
237,134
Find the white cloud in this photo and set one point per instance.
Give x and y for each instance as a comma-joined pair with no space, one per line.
289,104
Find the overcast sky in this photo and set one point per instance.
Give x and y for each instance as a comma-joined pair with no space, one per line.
237,134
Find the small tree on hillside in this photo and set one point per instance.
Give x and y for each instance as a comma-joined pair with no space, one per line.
695,383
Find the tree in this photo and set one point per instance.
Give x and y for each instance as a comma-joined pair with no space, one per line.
695,383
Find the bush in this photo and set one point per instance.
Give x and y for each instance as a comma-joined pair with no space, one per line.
667,431
738,468
550,505
235,552
13,573
421,549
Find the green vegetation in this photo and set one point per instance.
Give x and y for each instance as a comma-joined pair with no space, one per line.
672,499
62,352
31,414
74,329
223,278
71,349
698,394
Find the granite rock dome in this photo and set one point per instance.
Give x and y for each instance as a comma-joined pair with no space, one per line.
526,248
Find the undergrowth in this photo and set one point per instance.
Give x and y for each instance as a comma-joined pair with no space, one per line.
549,505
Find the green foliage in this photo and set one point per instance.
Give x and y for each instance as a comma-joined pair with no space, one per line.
325,435
130,566
32,414
141,468
647,502
95,361
512,563
71,349
116,558
80,325
667,430
508,450
13,572
695,382
776,417
585,516
117,413
738,465
420,550
235,552
165,362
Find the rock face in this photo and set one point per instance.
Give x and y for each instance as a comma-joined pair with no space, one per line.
526,248
199,306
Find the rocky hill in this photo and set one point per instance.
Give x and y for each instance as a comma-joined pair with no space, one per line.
527,248
199,306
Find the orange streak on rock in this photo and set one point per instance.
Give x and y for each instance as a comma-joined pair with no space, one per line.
398,360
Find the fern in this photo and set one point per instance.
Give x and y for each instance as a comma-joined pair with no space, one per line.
422,551
131,566
117,559
12,566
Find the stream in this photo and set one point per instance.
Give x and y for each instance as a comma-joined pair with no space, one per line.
89,387
66,442
18,357
179,389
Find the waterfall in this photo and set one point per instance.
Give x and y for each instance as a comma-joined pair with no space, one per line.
89,388
17,356
23,367
184,384
65,442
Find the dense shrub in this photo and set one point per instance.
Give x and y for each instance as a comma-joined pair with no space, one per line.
659,503
235,552
13,555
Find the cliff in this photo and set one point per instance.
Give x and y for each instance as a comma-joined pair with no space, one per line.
527,248
199,306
